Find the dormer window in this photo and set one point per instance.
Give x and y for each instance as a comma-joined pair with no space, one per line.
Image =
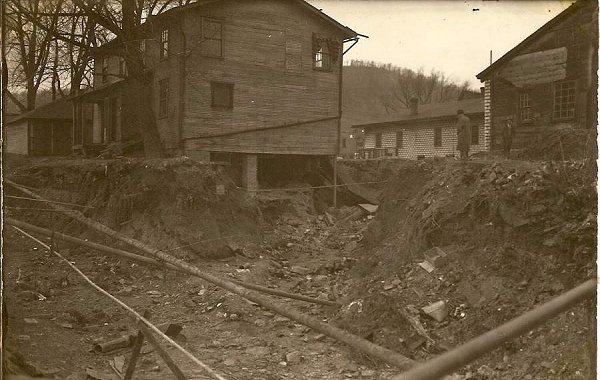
164,44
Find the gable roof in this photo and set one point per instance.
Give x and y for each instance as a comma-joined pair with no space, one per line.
433,112
59,109
529,40
346,31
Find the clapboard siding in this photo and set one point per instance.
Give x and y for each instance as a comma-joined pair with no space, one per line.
267,56
290,140
16,137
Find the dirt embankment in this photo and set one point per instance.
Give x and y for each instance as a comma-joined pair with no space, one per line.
514,235
175,204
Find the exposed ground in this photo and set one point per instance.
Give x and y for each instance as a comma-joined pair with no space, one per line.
515,234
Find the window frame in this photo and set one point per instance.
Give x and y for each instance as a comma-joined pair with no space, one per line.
525,107
164,43
229,86
437,140
206,20
322,55
564,110
163,98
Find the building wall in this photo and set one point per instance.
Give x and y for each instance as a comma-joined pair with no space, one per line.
15,137
578,35
418,140
267,57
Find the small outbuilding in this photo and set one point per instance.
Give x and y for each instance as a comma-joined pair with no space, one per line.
44,131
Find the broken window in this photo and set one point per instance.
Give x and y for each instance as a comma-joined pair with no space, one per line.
524,107
212,38
322,58
163,98
222,94
437,136
377,140
564,100
475,135
164,43
104,69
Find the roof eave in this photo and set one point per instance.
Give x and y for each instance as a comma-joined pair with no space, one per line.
397,123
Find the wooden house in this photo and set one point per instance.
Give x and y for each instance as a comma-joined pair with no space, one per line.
43,131
549,80
240,81
423,131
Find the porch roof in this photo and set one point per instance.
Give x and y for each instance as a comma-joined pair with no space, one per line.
98,94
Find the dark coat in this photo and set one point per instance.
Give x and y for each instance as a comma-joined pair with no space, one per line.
463,131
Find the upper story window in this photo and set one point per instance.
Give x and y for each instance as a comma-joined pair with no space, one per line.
163,98
212,38
221,94
322,57
564,100
525,113
104,69
164,43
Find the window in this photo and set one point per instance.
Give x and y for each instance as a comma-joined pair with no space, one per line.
377,140
212,38
475,135
564,100
163,97
322,55
399,140
437,136
222,94
524,107
104,69
343,143
164,44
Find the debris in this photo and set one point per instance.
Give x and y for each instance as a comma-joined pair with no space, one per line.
31,321
229,362
300,270
413,319
436,256
293,357
66,325
427,266
510,217
96,375
371,209
329,219
122,342
437,310
173,330
389,286
258,351
117,364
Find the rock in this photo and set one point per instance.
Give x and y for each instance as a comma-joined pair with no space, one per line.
299,270
319,337
388,287
258,351
367,373
437,310
31,321
229,362
294,357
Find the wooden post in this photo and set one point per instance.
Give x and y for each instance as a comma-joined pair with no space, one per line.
162,353
334,182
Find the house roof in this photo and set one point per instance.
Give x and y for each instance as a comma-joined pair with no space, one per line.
348,32
60,109
529,40
436,111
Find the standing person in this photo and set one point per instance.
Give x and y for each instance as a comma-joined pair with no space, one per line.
507,135
463,132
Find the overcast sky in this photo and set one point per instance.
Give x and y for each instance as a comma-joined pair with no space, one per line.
444,35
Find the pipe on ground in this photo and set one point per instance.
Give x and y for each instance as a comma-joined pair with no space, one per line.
479,346
149,261
358,343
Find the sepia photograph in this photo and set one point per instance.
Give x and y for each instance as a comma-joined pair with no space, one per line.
299,189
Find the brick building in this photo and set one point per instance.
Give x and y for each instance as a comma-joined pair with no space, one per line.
424,131
235,81
43,131
549,80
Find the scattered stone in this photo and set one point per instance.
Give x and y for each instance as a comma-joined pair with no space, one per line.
66,325
319,337
437,310
31,321
230,362
258,351
368,373
388,287
294,357
300,270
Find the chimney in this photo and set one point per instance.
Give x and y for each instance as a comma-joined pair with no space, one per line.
414,106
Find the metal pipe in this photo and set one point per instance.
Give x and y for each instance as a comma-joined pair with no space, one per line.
356,342
150,261
458,357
